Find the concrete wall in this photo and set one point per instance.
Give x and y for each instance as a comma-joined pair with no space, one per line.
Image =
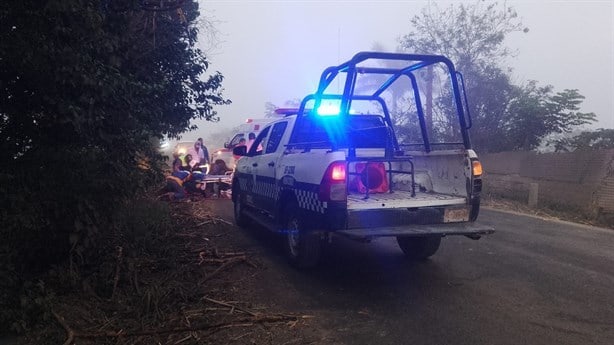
578,181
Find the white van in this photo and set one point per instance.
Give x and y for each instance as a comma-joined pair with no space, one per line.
243,131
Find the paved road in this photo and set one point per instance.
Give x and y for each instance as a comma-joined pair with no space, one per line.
533,282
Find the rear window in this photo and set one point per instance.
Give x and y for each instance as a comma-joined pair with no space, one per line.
360,131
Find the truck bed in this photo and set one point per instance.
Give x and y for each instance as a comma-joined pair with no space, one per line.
401,199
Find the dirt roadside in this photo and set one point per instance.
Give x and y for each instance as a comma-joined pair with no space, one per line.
209,284
208,287
542,212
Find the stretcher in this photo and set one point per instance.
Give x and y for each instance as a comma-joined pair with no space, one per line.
218,178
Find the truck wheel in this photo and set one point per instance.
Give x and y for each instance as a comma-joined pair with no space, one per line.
240,219
419,248
302,248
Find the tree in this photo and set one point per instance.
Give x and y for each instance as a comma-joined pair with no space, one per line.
600,139
505,116
472,36
86,85
535,112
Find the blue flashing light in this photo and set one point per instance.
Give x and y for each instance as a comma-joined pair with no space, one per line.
328,110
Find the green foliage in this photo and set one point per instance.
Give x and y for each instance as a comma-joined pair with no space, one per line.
535,112
35,303
600,139
142,222
139,229
86,85
471,35
488,108
505,116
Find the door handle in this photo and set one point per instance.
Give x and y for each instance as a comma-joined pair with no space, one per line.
254,164
271,164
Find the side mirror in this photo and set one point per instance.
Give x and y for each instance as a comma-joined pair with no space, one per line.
240,150
226,145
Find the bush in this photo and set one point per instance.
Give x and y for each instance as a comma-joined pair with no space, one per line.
86,94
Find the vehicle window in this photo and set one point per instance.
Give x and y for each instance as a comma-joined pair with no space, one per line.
235,140
256,148
275,138
361,131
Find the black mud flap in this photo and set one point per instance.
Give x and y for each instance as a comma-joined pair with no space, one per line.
471,230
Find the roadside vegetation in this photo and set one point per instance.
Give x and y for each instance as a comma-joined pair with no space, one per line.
506,116
88,90
179,275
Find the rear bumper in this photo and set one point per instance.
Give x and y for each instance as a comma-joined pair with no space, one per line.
470,229
429,221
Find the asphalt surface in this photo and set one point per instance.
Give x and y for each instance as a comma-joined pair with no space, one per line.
534,281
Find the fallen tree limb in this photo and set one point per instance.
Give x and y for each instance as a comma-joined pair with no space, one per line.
69,332
120,252
228,254
245,322
230,306
224,266
223,221
203,223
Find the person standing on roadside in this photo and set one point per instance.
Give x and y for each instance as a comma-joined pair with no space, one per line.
242,142
251,138
197,154
204,159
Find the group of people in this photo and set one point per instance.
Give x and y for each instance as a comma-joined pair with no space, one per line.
187,175
197,156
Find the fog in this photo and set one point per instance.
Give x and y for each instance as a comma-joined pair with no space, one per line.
274,51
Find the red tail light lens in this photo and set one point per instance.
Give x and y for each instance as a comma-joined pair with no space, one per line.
337,172
333,186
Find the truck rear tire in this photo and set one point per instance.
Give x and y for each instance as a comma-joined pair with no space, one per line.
303,248
241,219
419,248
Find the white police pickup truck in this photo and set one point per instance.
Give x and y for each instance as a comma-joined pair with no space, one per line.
387,155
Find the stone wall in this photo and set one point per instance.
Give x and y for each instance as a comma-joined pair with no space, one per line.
577,181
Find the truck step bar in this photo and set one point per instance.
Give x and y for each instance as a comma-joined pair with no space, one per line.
471,230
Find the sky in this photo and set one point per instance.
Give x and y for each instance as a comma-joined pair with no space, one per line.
275,50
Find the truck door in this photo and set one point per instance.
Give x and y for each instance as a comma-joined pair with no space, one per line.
248,167
266,189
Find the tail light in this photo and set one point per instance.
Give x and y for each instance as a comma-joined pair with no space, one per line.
476,172
476,168
476,185
333,185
